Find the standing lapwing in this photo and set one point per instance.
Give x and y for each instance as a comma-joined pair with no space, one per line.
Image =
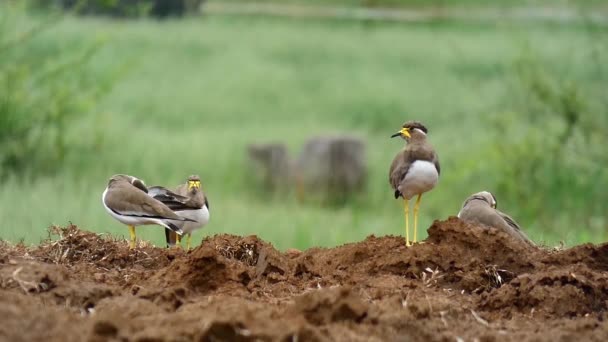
414,170
188,201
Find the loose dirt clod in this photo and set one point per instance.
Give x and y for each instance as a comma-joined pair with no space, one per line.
464,283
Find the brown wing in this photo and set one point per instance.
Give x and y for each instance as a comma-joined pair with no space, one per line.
515,226
398,170
169,198
171,237
435,160
163,192
129,201
508,220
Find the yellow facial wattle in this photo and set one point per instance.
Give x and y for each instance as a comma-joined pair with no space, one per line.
194,185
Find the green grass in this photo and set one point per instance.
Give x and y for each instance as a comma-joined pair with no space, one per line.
430,3
199,90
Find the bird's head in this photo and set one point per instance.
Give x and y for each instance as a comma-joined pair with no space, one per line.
411,129
194,183
483,196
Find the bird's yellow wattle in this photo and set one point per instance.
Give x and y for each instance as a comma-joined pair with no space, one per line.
194,185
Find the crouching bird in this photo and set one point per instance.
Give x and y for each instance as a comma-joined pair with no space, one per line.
480,208
414,170
188,201
127,200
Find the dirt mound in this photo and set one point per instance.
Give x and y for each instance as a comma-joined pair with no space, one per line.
464,282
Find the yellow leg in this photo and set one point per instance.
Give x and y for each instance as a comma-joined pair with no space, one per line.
416,207
133,241
406,209
188,241
178,240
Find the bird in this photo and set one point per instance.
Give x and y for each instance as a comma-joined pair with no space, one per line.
127,200
187,200
480,208
414,170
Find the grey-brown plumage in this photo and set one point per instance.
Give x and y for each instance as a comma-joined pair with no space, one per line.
126,199
127,196
196,197
414,170
188,200
417,149
171,199
480,208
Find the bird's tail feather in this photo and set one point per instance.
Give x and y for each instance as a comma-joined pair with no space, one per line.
174,228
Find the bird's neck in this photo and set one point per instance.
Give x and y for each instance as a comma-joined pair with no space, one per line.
415,142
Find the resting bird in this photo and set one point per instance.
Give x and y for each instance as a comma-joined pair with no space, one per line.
480,208
414,170
126,199
189,202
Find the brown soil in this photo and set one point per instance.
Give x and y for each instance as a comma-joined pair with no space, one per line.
464,283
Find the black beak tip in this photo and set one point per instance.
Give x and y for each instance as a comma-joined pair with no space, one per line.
396,135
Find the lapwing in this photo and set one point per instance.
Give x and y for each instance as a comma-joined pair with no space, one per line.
188,201
480,208
127,200
414,170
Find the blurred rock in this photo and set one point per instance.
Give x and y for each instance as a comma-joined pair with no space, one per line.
331,168
271,165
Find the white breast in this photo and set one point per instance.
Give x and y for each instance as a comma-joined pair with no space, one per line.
421,177
201,216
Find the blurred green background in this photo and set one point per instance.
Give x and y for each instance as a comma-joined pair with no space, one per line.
517,107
